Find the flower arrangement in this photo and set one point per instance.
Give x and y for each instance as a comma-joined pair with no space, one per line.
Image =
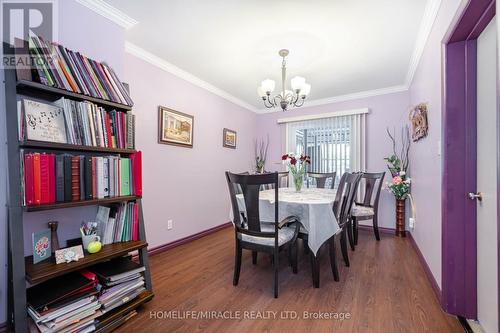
400,185
297,167
398,164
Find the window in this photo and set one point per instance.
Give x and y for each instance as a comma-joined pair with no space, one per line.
335,143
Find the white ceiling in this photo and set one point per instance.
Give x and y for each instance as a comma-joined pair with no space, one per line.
341,47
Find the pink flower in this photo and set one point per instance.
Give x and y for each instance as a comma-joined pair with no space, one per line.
284,157
397,180
293,161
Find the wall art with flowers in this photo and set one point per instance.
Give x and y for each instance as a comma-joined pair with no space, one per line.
41,245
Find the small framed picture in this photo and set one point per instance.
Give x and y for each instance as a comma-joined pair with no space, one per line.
229,138
175,128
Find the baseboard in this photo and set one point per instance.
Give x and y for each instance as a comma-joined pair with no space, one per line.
165,247
383,230
427,270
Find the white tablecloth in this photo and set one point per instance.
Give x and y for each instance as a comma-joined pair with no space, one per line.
312,206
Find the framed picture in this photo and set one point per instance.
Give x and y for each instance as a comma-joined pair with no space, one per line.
229,138
175,128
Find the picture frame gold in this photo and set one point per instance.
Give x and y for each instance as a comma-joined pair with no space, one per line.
175,128
229,138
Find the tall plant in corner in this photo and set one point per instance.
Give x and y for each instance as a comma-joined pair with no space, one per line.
261,147
399,186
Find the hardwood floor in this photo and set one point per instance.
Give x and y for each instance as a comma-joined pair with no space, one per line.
384,290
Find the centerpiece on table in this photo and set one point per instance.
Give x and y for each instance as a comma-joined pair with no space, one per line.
297,166
400,184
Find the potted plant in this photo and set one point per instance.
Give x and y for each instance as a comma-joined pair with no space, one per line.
261,148
400,184
297,166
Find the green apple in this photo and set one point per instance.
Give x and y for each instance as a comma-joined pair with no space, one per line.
94,247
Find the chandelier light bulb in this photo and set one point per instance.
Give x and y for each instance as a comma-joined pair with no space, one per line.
298,83
268,85
261,92
306,89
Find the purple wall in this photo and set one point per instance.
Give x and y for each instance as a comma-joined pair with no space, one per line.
389,110
425,157
183,184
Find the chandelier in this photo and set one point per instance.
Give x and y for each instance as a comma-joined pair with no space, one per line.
286,98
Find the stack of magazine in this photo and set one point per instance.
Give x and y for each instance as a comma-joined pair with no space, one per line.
65,304
122,281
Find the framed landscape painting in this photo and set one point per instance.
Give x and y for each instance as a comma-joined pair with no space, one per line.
229,138
175,128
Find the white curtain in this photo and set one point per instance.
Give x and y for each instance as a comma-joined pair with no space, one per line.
335,143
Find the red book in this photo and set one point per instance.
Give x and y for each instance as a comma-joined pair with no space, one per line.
108,130
36,178
75,178
44,179
52,178
94,178
136,163
135,224
29,191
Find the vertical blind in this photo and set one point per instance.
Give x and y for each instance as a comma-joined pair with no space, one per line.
335,143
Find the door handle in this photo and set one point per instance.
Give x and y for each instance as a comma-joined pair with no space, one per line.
476,196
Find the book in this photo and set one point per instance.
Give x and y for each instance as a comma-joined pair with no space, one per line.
124,176
75,178
28,180
44,122
44,179
116,269
41,241
37,179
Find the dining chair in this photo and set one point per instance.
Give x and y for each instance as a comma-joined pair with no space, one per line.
321,179
282,181
341,209
256,235
367,209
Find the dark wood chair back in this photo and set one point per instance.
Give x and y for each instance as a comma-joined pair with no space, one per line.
250,186
372,185
344,199
321,179
282,181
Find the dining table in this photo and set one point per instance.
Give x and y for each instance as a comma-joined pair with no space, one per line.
313,207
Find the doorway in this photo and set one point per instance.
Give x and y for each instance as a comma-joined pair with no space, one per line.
470,165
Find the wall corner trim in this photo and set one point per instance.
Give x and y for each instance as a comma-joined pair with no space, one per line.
430,14
106,10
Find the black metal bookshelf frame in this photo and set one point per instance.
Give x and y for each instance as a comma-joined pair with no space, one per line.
20,268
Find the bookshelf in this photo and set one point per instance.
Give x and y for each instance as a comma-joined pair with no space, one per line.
21,268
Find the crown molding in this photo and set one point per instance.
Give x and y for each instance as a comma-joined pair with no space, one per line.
430,13
344,98
172,69
428,19
104,9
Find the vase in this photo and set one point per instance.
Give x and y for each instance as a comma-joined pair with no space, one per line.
298,181
400,217
53,235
